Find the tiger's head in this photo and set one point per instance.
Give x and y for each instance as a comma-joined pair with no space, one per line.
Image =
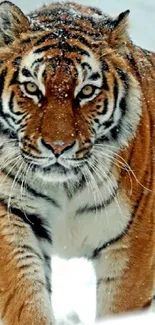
68,99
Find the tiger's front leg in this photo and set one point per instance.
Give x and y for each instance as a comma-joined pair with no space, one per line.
125,277
24,298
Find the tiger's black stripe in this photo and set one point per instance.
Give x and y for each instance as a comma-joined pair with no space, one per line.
94,208
36,223
115,92
107,124
123,76
115,131
4,116
11,107
134,65
43,196
65,47
11,134
14,78
16,61
11,104
123,106
95,76
62,34
40,60
97,251
86,65
105,83
94,35
26,72
3,75
105,107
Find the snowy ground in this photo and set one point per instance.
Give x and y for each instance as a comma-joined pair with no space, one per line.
74,290
74,281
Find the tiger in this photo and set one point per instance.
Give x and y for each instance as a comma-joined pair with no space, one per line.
77,179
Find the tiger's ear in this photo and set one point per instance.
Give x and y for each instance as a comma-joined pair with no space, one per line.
119,30
12,22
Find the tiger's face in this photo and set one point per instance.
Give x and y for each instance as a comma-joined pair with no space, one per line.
69,104
63,104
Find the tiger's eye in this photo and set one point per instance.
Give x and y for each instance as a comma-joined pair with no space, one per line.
87,91
31,87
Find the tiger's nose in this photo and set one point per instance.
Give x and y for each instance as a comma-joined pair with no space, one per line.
57,147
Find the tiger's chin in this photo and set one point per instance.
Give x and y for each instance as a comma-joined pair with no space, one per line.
57,176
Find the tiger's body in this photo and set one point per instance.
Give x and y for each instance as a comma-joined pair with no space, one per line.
77,115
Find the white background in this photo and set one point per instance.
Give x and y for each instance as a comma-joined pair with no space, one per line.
74,282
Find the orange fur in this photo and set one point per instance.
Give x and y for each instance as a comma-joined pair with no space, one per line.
19,303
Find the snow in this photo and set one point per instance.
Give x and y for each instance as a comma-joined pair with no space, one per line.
74,289
74,281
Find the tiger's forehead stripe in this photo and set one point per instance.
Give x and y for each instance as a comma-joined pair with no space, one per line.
63,46
63,34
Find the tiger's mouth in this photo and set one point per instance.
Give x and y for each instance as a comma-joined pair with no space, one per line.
55,167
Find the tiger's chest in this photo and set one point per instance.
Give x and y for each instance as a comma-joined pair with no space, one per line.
89,220
77,225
